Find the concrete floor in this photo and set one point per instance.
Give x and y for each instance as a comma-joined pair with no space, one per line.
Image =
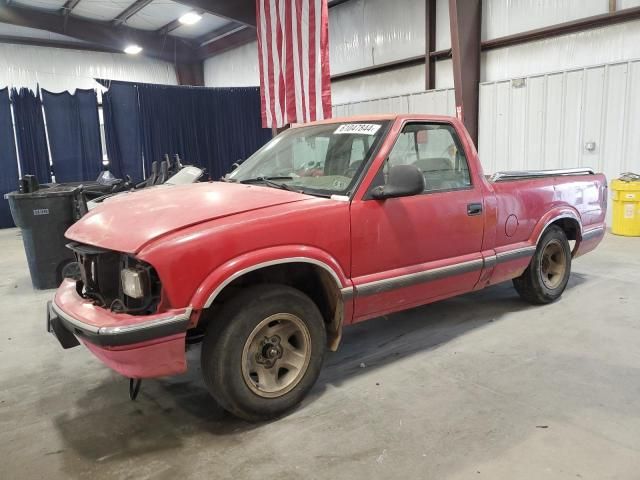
482,386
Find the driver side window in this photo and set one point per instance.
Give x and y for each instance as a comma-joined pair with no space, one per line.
435,150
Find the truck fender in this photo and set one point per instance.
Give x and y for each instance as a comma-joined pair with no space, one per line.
552,216
248,262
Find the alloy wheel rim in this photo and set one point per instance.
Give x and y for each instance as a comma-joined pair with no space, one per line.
276,355
553,264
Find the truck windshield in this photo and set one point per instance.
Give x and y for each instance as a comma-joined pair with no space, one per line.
320,159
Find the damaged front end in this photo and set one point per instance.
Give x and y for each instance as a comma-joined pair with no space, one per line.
114,306
116,281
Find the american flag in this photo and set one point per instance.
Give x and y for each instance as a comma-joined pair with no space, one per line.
293,51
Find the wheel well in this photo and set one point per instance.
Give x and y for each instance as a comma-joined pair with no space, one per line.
314,281
571,229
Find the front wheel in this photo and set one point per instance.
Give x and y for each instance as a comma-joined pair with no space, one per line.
264,352
547,275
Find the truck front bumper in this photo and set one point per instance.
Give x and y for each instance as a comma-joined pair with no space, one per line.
134,346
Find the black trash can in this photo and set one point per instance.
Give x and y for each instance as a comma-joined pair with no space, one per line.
44,216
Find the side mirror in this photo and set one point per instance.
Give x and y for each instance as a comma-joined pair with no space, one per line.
403,181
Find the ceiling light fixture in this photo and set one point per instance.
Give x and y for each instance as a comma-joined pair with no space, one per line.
133,49
190,18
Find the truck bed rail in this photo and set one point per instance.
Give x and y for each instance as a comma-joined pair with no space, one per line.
512,175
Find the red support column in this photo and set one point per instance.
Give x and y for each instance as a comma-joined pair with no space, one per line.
190,74
430,41
466,27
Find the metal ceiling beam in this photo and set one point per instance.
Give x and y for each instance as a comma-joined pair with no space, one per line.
224,41
43,42
335,3
130,11
241,11
98,33
190,74
220,33
67,7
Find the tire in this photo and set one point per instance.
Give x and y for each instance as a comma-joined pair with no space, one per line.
264,352
547,275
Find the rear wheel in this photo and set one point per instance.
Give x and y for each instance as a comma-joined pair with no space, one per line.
547,275
264,352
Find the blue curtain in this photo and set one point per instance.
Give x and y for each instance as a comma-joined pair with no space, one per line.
30,134
208,127
8,159
122,129
74,134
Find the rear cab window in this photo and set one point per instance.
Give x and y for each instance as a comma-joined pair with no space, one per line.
436,151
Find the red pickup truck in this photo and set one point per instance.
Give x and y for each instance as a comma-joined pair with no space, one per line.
329,224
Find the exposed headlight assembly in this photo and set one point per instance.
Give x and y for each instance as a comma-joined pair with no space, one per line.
135,282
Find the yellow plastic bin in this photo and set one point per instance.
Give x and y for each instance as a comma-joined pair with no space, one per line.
625,193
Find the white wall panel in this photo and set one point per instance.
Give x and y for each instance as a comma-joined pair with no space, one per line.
59,69
548,121
592,47
628,4
506,17
630,160
591,120
571,121
444,74
390,83
534,120
233,68
443,26
363,33
553,128
502,158
615,112
437,102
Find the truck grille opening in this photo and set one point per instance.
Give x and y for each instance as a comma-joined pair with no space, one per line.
100,280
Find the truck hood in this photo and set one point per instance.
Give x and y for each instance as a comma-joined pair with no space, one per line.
128,221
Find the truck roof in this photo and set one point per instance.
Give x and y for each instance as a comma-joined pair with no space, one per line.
379,117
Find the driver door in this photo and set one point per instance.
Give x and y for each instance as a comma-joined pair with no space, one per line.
408,251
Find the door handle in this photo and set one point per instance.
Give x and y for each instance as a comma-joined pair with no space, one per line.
474,209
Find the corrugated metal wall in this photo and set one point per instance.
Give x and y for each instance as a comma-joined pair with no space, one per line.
548,121
437,102
585,117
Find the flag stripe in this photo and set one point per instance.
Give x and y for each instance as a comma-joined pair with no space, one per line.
303,91
264,58
274,75
312,59
296,62
271,64
293,51
282,54
290,80
325,69
263,111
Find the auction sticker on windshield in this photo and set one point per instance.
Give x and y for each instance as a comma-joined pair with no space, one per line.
361,128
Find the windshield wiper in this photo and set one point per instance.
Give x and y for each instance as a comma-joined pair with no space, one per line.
270,181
